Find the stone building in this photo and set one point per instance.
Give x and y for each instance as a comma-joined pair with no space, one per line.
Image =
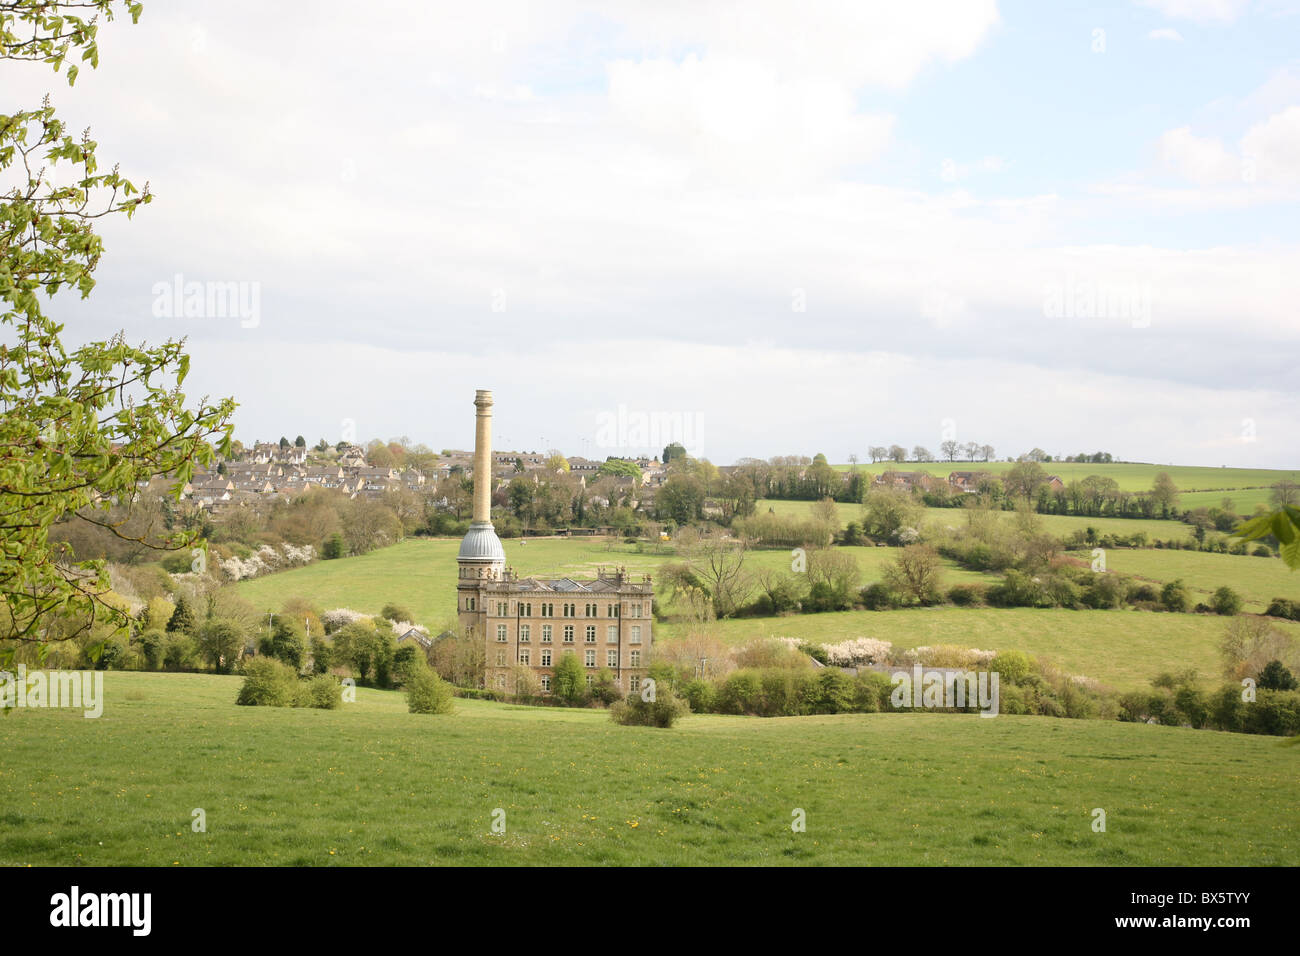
531,622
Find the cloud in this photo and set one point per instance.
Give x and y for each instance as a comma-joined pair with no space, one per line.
1166,33
1201,160
1201,11
1269,153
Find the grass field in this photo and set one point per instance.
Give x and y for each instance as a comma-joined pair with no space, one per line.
1257,580
1122,648
372,784
1133,476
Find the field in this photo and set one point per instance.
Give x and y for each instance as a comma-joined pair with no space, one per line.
1123,648
372,784
1133,476
1257,580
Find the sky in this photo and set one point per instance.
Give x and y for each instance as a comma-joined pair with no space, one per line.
760,228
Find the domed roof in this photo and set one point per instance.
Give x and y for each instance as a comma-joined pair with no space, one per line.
481,544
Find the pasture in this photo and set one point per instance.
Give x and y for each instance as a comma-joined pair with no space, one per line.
370,783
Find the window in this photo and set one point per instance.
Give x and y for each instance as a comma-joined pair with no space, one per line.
636,610
611,610
546,657
636,658
548,610
591,658
525,609
589,680
590,611
634,683
501,633
501,681
525,655
570,610
611,658
591,633
611,634
525,633
501,658
546,633
546,683
635,637
568,634
502,609
469,604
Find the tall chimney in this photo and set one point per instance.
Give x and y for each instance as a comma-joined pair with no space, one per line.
483,456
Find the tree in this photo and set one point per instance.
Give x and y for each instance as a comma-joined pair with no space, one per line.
897,453
674,450
1164,493
1024,478
286,642
557,463
183,618
1226,601
877,452
719,567
1283,493
987,452
220,641
569,679
300,442
833,578
1275,676
921,453
84,428
284,442
950,448
426,692
916,573
680,498
886,512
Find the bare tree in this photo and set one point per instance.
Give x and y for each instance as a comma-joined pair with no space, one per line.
719,566
950,447
921,453
916,573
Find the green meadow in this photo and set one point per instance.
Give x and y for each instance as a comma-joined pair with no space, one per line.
1257,580
1131,476
370,783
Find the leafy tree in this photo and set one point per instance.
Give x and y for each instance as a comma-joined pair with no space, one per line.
1164,493
284,442
916,573
1226,601
286,642
334,546
84,428
426,692
300,442
674,450
396,612
569,679
1174,596
220,641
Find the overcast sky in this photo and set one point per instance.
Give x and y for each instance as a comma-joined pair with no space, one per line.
787,227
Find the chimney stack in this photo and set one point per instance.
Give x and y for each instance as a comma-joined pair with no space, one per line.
483,456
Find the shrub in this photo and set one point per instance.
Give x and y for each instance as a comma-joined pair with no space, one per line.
966,595
605,689
569,680
1017,589
1193,705
1011,666
153,647
1275,676
1142,594
1174,596
1275,712
871,692
321,692
878,597
1281,607
835,692
427,693
663,711
1262,551
1104,591
396,612
1226,601
268,683
178,652
700,696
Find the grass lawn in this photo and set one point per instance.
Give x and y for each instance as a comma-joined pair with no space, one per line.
372,784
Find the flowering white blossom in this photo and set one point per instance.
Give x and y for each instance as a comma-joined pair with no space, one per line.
859,650
341,617
266,559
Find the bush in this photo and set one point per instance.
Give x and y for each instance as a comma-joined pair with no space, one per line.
1275,712
1011,666
966,595
321,692
1142,594
153,648
700,696
1281,607
1262,551
835,692
1174,596
427,693
878,597
396,612
1105,591
268,683
178,652
1017,589
663,711
871,692
604,688
1275,676
1226,601
569,680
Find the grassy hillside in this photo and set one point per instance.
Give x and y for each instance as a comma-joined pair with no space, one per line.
1122,648
1130,476
1257,580
372,784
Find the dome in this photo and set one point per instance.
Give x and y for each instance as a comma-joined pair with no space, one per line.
481,545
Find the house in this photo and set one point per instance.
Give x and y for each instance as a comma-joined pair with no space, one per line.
966,481
1055,483
418,635
905,479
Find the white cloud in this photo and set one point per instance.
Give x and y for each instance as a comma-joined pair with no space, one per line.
1202,160
1166,33
1200,11
1269,154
